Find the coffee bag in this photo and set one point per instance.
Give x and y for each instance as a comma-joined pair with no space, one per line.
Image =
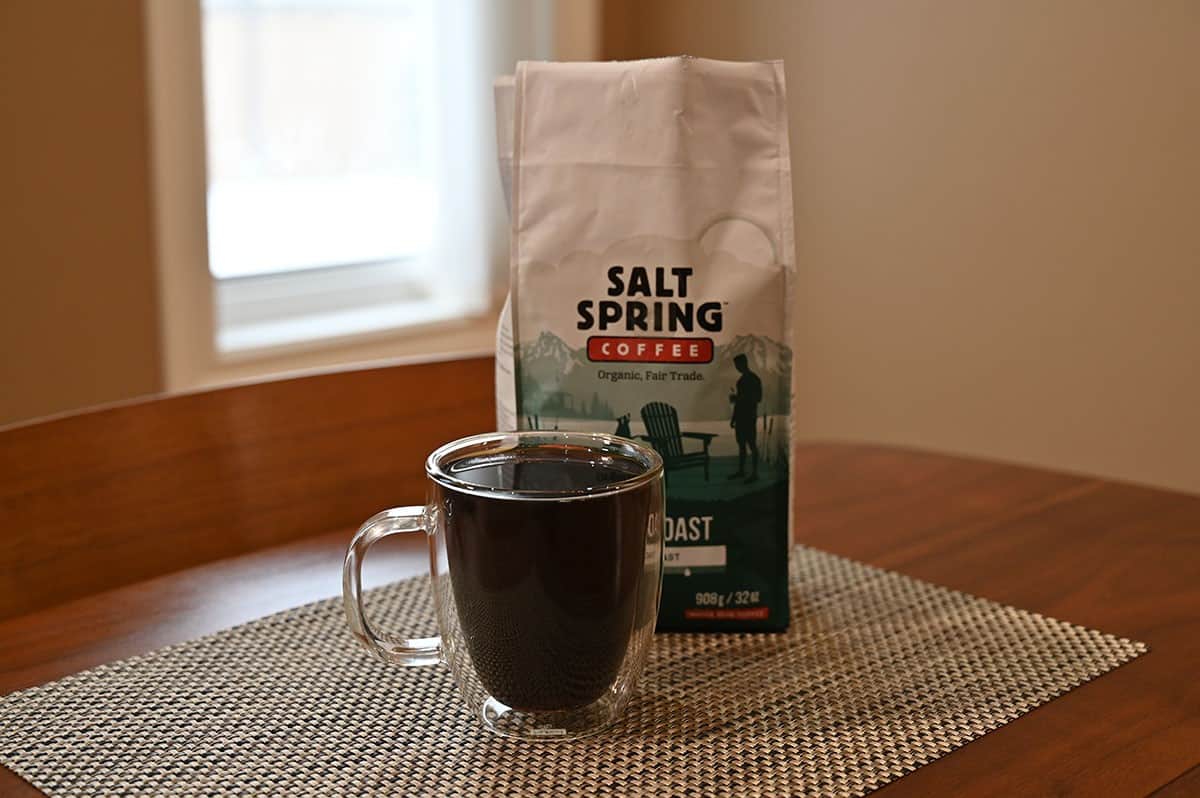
651,268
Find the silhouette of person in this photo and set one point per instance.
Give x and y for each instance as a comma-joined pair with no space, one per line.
744,421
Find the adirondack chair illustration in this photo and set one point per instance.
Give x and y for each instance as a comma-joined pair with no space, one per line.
662,431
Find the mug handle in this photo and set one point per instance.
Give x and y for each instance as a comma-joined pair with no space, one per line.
402,651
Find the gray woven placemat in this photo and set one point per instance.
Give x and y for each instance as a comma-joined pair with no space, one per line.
880,674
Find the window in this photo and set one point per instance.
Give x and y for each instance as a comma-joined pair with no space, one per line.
322,131
330,137
325,178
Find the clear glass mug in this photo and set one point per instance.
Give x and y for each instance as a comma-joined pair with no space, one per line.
546,570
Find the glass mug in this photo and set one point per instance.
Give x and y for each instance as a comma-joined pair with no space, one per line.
546,569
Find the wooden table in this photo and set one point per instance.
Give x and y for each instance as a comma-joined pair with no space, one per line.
1118,558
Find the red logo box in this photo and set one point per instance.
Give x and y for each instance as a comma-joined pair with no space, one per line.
623,349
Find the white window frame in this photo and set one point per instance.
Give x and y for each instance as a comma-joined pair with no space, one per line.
188,295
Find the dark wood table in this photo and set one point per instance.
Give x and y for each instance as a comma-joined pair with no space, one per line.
1119,558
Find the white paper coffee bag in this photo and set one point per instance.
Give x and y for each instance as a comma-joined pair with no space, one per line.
651,263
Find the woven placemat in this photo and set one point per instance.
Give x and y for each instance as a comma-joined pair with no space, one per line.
879,674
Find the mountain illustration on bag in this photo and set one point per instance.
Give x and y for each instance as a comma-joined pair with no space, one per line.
559,380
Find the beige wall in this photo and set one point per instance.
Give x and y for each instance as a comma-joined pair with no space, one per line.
998,219
78,308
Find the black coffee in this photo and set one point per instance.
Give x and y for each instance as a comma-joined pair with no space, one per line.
546,588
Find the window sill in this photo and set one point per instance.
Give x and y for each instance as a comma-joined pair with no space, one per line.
457,337
337,329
